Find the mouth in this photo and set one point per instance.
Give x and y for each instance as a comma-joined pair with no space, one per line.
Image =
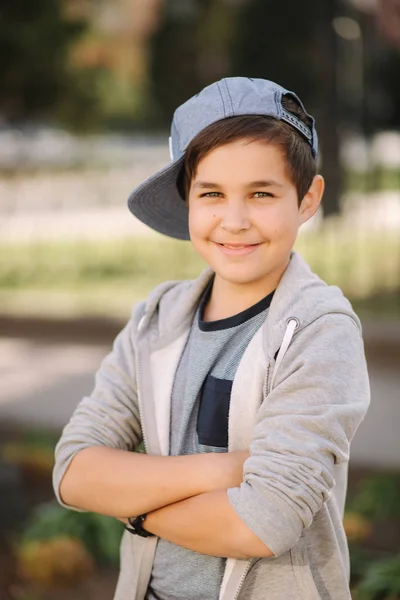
235,249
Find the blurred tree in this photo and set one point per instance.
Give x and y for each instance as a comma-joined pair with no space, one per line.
329,113
190,50
388,15
389,80
294,43
381,70
173,73
36,81
275,40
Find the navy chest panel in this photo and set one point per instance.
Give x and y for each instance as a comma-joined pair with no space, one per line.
212,419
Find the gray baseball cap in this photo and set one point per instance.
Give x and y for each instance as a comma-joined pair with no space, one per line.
157,202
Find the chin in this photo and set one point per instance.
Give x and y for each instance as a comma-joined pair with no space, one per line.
240,276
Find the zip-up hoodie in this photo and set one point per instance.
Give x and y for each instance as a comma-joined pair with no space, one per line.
300,392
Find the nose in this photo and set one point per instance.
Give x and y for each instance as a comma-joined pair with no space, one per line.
235,217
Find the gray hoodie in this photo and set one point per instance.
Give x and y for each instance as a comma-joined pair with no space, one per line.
305,384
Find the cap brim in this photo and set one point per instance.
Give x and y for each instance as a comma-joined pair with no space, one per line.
157,203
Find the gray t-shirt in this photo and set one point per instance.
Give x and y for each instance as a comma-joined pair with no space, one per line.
199,423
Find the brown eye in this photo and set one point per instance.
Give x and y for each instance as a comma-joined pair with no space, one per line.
263,195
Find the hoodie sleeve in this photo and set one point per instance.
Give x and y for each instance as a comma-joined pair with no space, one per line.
110,415
304,427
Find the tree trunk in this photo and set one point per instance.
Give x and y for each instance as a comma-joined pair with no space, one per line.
329,110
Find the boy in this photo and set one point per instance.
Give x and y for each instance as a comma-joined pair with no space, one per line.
246,385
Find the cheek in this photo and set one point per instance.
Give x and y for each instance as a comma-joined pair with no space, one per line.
196,223
278,222
202,221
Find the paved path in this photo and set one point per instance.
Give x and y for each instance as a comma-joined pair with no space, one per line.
42,382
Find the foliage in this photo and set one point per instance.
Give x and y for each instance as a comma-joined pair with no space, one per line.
191,49
34,459
378,498
39,438
36,80
377,501
382,580
100,535
32,450
360,559
174,57
261,50
53,561
198,42
382,74
32,439
357,527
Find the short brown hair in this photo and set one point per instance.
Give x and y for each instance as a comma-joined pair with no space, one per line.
297,151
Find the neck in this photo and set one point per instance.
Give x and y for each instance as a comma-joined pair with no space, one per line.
230,298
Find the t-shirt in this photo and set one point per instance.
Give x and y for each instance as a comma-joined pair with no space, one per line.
199,423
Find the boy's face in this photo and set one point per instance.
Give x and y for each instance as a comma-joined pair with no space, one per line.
244,213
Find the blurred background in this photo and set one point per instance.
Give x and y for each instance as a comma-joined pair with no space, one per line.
88,89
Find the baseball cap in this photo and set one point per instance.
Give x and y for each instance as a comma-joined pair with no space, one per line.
157,202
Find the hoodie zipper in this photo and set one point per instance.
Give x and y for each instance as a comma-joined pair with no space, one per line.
138,387
292,324
243,577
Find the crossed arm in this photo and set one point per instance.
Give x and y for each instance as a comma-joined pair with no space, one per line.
207,523
184,496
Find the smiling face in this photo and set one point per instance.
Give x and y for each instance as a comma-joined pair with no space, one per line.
244,213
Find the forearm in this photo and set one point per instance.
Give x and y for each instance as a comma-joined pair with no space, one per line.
121,484
207,524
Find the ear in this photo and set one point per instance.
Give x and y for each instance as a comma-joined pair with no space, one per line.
311,201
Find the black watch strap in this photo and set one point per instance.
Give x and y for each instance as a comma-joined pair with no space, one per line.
136,526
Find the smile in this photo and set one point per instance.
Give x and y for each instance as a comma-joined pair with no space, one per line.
237,249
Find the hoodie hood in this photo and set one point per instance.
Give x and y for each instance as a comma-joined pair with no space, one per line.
301,296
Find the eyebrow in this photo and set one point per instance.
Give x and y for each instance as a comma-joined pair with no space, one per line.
252,184
205,184
265,183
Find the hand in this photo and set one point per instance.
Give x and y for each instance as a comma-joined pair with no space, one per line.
229,468
220,471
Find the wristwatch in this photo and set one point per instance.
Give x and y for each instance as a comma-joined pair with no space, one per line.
136,526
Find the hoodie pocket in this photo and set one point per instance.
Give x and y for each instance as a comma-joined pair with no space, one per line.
302,572
287,577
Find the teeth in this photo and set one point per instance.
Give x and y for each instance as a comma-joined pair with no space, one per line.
234,247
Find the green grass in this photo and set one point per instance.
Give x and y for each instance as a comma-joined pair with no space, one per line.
362,263
373,180
89,278
109,277
143,261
